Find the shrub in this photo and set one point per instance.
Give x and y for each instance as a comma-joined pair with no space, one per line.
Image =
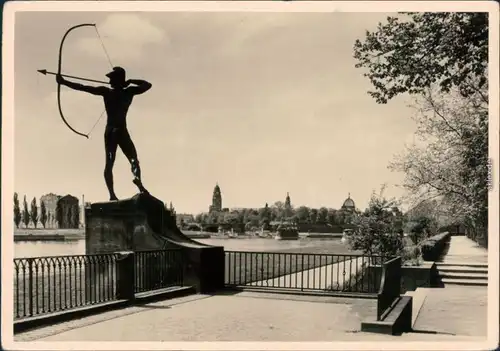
17,211
379,229
34,212
411,255
26,213
432,248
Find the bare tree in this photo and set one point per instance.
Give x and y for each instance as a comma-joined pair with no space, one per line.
449,162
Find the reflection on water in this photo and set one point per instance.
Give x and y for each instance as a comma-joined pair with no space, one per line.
77,247
261,244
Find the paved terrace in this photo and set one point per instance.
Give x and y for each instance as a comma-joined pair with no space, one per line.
243,316
453,313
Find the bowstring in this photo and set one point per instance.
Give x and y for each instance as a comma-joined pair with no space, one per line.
111,65
102,113
103,47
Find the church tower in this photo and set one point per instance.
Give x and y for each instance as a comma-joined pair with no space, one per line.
288,206
216,200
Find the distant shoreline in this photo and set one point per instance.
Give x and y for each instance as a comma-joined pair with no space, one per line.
48,237
21,235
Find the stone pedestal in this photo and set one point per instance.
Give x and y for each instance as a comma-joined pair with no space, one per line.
143,223
119,226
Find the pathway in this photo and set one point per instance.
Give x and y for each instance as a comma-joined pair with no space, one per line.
456,309
465,250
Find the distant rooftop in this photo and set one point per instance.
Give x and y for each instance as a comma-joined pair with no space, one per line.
349,203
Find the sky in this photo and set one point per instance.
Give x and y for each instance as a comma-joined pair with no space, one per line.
262,103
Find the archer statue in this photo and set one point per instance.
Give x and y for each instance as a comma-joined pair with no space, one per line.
117,100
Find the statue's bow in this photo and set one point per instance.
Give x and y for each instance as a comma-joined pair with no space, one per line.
59,72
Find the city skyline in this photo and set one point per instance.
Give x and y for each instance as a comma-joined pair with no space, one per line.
245,106
285,200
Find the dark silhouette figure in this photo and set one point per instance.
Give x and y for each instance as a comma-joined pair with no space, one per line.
117,100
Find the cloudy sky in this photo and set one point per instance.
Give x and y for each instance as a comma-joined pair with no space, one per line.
262,103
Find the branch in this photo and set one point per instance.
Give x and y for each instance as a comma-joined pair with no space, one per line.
430,100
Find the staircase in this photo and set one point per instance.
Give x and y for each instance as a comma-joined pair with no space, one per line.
475,274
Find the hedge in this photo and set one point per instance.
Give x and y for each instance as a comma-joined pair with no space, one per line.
433,247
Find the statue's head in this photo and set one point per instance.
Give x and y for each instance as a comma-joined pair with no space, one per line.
117,77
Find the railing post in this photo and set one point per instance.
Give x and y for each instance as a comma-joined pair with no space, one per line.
125,275
30,285
302,274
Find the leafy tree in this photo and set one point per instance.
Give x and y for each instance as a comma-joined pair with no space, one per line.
313,215
330,218
26,213
302,214
278,211
231,218
340,217
17,211
265,216
75,216
198,218
213,218
412,53
322,215
253,222
442,58
59,215
420,227
377,229
43,214
34,212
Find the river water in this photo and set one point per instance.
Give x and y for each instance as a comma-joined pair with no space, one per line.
77,247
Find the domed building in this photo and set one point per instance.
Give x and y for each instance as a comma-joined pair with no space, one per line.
348,210
349,204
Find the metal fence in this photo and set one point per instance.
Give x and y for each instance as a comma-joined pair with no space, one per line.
158,269
51,284
301,271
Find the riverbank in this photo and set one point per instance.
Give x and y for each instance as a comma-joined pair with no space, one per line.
48,234
73,234
79,234
321,235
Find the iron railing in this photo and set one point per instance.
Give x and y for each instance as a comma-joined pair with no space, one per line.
158,269
302,271
45,285
52,284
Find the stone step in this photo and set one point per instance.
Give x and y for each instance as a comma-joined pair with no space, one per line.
475,282
461,275
462,264
462,269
